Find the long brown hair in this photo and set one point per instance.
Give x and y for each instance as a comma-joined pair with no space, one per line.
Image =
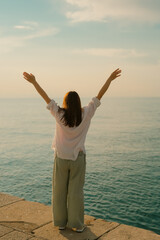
72,109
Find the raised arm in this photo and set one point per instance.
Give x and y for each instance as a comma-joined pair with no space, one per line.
31,78
113,76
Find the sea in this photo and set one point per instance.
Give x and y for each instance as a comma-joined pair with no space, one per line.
122,182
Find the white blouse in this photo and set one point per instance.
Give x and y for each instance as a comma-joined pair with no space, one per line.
68,141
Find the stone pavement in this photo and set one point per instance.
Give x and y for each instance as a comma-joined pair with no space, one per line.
22,220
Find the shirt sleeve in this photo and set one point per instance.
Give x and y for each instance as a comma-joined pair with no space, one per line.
92,106
53,107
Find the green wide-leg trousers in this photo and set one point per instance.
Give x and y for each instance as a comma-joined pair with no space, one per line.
67,191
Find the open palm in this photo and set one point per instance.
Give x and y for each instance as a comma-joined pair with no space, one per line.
29,77
115,74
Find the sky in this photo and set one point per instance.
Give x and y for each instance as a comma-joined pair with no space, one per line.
76,45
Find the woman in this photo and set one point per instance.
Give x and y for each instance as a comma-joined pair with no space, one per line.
72,123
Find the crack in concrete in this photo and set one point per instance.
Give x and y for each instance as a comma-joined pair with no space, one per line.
1,222
13,202
108,231
40,226
7,232
14,230
31,233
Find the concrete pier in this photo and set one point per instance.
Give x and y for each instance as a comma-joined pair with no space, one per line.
22,220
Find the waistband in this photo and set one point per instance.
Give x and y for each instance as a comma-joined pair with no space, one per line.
80,153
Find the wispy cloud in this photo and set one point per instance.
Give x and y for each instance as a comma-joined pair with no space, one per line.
110,52
41,33
23,27
106,10
24,33
27,25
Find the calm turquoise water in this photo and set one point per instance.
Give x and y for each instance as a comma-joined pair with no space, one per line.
123,157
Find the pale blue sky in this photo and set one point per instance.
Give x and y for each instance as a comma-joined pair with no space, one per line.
76,44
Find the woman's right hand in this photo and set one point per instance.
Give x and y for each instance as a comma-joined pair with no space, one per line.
29,77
